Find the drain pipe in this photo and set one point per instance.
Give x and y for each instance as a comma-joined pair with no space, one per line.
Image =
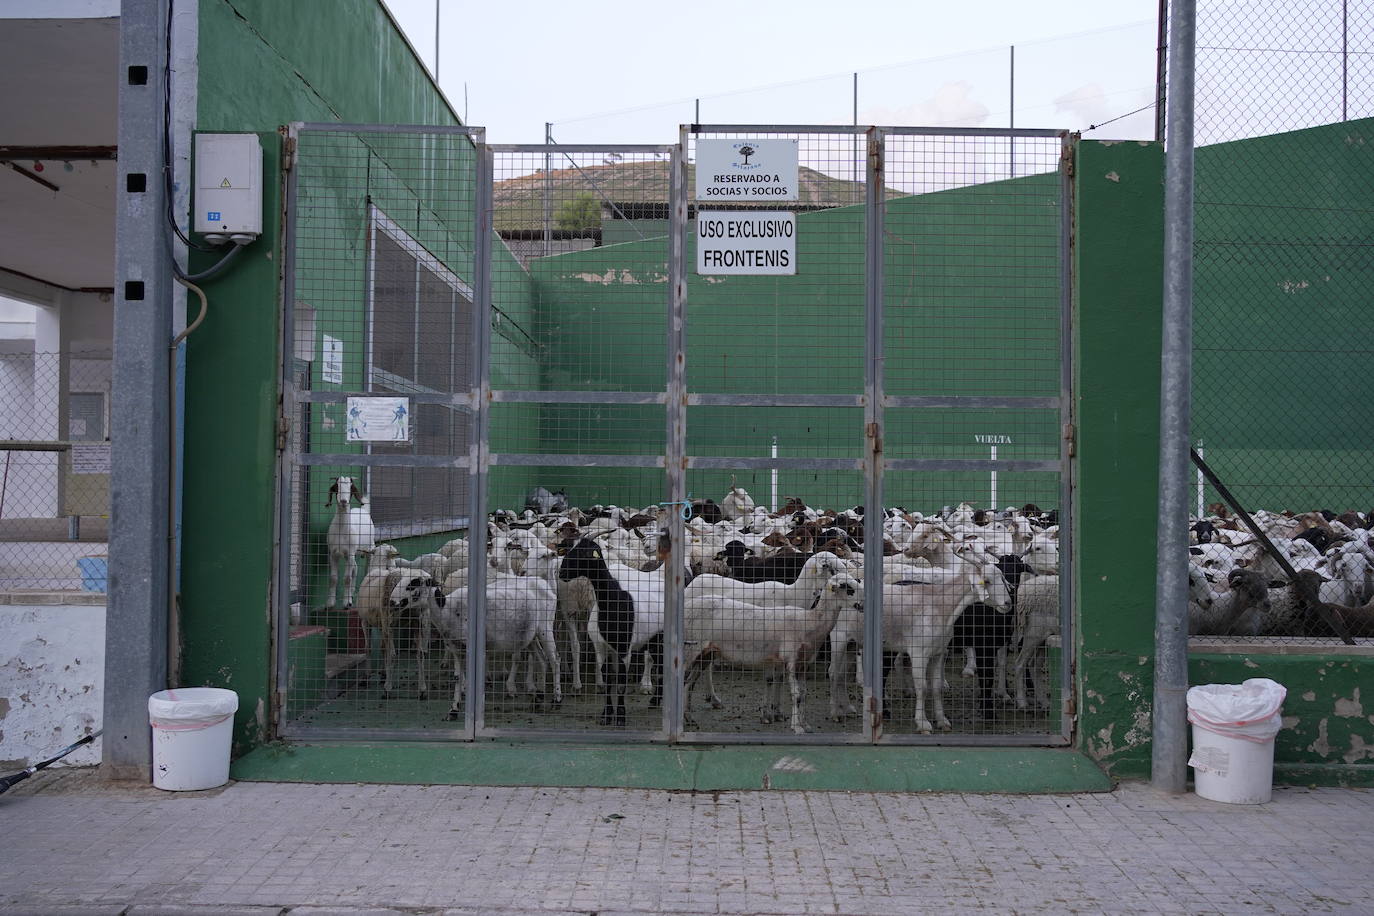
1169,764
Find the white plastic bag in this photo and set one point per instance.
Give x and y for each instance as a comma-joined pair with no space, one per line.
1249,711
191,708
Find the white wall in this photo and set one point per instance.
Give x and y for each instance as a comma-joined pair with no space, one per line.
59,9
52,679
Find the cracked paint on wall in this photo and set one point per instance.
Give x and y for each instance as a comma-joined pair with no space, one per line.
52,679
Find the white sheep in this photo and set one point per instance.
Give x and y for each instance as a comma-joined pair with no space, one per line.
519,617
918,620
771,638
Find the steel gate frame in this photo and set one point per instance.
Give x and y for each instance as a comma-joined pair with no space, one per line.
289,456
675,462
874,402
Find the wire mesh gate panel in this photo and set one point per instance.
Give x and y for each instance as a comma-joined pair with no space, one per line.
675,474
381,329
581,282
895,411
975,393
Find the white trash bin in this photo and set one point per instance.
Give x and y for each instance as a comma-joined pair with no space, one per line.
193,728
1233,739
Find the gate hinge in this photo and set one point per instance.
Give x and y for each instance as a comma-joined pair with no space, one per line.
1071,437
283,429
288,154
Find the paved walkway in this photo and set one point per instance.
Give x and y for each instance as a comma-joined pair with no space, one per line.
72,843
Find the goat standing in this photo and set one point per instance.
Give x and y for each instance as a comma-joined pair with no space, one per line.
351,532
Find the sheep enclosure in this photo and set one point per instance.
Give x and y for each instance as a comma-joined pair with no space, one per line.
483,328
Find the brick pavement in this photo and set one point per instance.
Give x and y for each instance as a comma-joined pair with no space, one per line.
73,843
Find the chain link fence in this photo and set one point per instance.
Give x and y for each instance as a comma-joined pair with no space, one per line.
1282,326
54,470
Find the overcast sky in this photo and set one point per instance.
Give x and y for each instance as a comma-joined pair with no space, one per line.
614,71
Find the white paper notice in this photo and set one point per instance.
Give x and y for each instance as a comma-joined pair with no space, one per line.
331,363
90,459
378,420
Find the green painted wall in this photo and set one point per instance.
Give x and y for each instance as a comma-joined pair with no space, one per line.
1118,256
1328,723
1282,317
973,307
1328,735
309,61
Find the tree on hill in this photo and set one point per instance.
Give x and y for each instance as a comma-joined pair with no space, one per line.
580,212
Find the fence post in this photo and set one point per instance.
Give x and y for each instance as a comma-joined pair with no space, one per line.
873,439
1169,770
136,617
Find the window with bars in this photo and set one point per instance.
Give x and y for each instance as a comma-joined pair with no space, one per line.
419,343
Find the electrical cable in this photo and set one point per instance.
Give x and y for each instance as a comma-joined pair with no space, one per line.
167,137
185,279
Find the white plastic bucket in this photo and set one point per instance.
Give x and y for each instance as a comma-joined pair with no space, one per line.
1233,770
1234,726
193,729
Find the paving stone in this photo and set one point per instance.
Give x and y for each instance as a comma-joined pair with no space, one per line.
262,849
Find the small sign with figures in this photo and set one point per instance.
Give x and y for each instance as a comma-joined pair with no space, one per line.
735,171
378,420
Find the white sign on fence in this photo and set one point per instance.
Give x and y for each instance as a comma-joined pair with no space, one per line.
746,242
740,170
332,369
378,420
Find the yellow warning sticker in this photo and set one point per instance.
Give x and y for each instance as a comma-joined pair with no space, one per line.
225,184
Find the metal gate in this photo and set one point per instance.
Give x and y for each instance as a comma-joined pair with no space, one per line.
571,370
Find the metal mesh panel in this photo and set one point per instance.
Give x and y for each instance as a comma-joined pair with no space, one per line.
1282,202
382,305
632,412
580,297
54,481
973,358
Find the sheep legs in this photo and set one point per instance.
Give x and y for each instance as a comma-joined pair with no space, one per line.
1034,638
839,691
773,692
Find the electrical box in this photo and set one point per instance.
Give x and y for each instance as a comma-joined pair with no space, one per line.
228,202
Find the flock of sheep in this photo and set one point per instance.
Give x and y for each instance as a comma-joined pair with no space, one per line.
1239,588
766,591
771,591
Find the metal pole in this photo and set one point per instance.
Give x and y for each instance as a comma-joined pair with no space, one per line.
1201,483
479,449
1011,118
136,643
992,477
873,438
1169,772
1161,68
1345,56
674,581
548,191
436,42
